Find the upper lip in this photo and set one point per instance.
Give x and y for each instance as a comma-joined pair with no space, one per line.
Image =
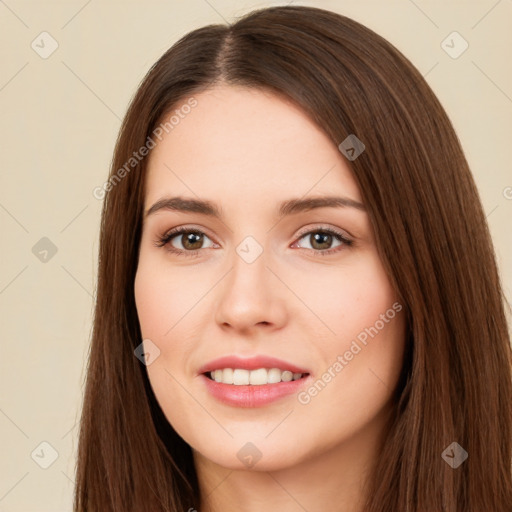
250,363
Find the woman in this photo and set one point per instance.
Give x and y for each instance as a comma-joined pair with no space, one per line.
298,301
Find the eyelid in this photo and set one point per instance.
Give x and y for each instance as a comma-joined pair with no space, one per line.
324,227
165,239
188,228
346,241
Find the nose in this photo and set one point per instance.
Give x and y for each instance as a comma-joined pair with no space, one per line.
249,296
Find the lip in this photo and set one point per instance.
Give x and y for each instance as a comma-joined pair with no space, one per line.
253,396
247,395
250,363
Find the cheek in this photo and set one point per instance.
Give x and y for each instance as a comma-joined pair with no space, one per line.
348,299
152,301
163,297
162,301
168,301
364,349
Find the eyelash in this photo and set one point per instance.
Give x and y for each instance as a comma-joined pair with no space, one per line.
166,238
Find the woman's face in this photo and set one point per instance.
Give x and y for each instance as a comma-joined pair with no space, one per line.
275,274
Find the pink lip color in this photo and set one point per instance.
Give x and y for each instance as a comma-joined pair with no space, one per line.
252,396
250,363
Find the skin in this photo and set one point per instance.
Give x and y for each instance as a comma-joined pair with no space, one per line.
247,150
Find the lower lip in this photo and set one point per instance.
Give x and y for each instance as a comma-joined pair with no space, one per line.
252,396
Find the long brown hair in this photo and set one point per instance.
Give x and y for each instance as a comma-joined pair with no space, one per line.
431,234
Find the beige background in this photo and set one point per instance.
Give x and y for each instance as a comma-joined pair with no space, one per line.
60,117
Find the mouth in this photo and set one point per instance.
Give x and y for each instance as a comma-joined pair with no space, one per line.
255,381
257,377
241,388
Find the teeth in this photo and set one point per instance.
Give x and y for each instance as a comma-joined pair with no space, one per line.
274,375
226,375
258,377
240,377
287,376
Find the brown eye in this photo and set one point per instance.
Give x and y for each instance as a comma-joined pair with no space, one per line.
191,241
322,240
184,241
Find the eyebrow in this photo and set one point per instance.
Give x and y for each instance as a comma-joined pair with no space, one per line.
288,207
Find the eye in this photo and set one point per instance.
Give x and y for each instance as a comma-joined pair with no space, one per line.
184,241
321,241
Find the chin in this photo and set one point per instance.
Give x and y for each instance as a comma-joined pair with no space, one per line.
251,458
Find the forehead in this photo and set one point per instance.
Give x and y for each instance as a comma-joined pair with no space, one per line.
246,146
